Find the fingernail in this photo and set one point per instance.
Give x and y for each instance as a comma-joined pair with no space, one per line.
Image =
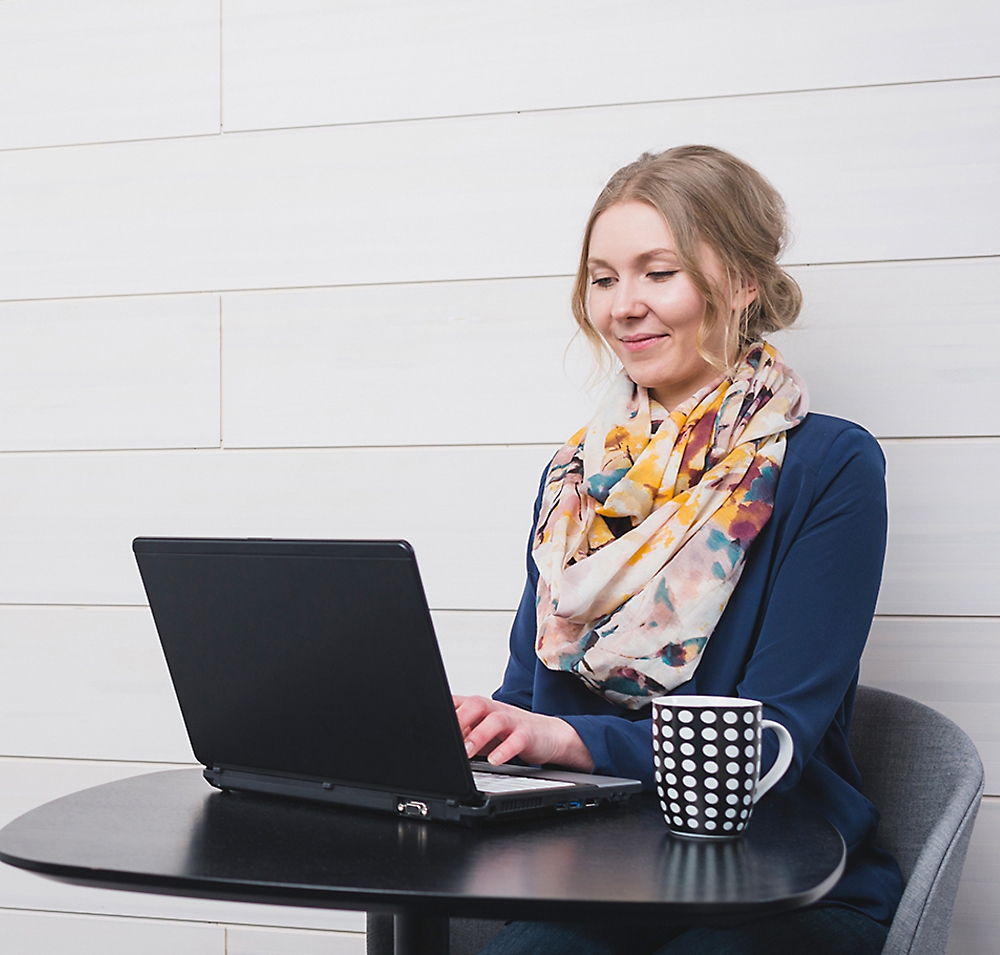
468,748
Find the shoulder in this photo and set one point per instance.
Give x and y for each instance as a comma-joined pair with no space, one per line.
823,444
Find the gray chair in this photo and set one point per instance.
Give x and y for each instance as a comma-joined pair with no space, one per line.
924,775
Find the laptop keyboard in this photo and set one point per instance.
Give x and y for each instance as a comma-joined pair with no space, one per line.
498,783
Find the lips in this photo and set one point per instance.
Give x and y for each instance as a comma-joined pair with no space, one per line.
639,342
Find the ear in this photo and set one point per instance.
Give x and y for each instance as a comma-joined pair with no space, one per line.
743,295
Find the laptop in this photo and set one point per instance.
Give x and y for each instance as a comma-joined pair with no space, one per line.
310,669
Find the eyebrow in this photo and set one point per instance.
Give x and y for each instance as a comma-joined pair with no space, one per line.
642,257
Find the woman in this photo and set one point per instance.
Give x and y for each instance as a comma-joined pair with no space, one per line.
702,535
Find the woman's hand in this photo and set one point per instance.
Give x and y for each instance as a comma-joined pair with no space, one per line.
505,731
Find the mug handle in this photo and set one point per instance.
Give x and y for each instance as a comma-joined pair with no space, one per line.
785,750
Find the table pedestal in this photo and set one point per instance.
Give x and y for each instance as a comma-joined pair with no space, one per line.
419,935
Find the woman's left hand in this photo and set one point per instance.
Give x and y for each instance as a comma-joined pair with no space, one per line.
504,731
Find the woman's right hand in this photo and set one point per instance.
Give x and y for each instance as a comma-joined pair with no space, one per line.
503,731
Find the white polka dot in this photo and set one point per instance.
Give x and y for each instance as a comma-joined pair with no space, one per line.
727,825
668,763
739,827
689,781
729,716
668,747
732,784
732,768
732,751
656,728
747,799
709,749
656,745
708,716
731,734
743,814
730,813
749,734
678,820
750,752
663,805
709,733
670,778
750,768
709,824
690,796
711,783
686,732
672,793
656,759
666,713
693,823
691,810
748,717
675,807
711,812
687,749
668,732
688,765
685,716
748,784
732,798
656,773
711,767
711,798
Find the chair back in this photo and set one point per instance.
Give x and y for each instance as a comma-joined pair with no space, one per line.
924,775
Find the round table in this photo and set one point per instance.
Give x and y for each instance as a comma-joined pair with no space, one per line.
171,833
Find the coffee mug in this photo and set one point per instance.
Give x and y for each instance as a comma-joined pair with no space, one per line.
706,760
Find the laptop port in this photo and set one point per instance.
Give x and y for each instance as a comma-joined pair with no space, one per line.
412,807
575,804
589,803
560,807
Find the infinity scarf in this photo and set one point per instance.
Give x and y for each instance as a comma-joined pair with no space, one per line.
645,522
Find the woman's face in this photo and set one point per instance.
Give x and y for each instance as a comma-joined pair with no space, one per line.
646,306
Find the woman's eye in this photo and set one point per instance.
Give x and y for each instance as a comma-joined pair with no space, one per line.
602,282
660,276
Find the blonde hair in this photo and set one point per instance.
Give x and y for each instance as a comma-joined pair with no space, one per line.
708,195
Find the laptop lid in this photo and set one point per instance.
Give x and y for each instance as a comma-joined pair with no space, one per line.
315,659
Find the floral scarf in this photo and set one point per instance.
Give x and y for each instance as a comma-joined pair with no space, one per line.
645,523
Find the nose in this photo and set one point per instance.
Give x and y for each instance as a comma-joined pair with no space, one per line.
627,302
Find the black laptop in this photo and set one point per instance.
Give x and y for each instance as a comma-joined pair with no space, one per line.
310,669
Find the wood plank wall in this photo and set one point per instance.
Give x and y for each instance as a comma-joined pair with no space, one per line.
273,267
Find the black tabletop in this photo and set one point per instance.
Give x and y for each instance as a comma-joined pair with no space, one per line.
171,833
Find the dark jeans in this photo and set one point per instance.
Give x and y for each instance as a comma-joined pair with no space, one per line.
812,931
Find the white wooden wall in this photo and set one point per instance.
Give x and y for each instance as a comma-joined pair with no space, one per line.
273,267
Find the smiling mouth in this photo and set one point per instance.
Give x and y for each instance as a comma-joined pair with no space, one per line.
639,342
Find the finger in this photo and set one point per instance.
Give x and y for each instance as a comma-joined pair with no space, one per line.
471,711
512,746
494,726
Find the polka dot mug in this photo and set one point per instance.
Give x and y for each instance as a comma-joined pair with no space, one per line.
706,759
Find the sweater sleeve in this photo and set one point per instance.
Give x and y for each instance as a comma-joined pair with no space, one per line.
819,609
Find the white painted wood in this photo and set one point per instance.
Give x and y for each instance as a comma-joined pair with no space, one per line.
976,923
474,648
906,349
952,665
54,934
107,69
943,527
87,682
444,363
309,62
26,783
110,373
243,940
90,682
868,174
67,520
496,361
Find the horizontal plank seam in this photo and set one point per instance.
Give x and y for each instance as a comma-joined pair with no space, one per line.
397,120
104,762
264,289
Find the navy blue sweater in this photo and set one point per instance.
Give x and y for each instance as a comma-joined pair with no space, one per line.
791,636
